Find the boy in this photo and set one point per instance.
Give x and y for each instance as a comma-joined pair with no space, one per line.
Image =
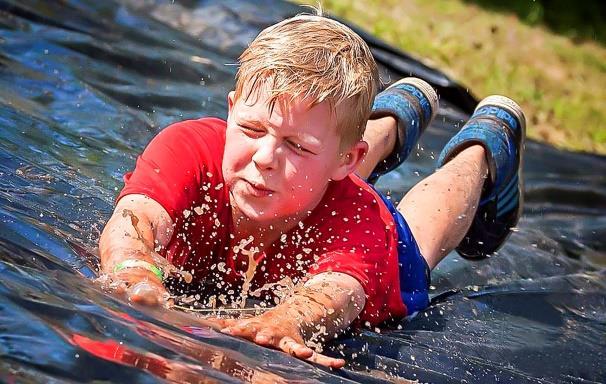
273,192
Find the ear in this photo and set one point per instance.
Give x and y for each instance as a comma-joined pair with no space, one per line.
350,160
231,100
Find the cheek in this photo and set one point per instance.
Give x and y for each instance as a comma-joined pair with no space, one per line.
238,152
305,178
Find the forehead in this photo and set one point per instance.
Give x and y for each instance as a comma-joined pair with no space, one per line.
257,104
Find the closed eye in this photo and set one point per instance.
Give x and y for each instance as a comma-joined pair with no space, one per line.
251,131
298,147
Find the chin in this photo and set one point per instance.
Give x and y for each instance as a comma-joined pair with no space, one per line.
254,211
270,209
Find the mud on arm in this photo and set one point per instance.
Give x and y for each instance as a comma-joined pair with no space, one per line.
138,226
327,304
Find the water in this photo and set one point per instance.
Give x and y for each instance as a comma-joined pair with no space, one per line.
84,85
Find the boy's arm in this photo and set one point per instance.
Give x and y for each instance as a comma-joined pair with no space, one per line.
136,227
327,304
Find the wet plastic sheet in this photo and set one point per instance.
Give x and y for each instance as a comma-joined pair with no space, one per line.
84,85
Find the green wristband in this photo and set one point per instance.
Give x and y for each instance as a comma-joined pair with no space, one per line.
132,263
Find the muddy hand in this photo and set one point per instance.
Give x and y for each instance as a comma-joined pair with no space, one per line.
140,286
278,333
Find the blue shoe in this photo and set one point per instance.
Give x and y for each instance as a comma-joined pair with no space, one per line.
499,125
414,103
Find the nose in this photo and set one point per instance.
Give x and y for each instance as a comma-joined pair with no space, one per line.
266,154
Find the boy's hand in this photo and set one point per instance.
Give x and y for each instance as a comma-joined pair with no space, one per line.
277,329
329,302
140,286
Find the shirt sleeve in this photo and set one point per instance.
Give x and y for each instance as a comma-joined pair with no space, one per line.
176,164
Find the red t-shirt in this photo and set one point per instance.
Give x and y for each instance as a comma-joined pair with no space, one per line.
350,231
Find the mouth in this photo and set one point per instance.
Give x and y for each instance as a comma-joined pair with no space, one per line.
257,189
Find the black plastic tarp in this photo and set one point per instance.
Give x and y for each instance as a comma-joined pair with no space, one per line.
84,85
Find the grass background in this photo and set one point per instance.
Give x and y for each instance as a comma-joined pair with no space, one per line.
548,55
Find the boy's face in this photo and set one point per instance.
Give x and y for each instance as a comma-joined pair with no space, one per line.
277,165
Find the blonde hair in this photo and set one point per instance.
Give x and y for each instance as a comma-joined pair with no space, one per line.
317,59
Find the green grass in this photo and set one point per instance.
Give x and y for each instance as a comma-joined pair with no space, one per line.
559,80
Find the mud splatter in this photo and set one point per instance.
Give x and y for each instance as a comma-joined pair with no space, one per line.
167,268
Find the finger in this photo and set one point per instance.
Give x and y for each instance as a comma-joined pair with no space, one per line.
229,322
267,338
144,299
326,361
292,347
217,323
303,352
244,329
145,293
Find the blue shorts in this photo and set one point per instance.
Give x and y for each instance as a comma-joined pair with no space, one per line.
414,271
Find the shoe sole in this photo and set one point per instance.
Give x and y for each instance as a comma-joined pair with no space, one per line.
426,89
512,107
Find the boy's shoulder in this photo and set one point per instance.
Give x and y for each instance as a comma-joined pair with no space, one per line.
193,144
179,162
204,126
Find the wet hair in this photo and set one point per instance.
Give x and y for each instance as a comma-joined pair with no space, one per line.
316,59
